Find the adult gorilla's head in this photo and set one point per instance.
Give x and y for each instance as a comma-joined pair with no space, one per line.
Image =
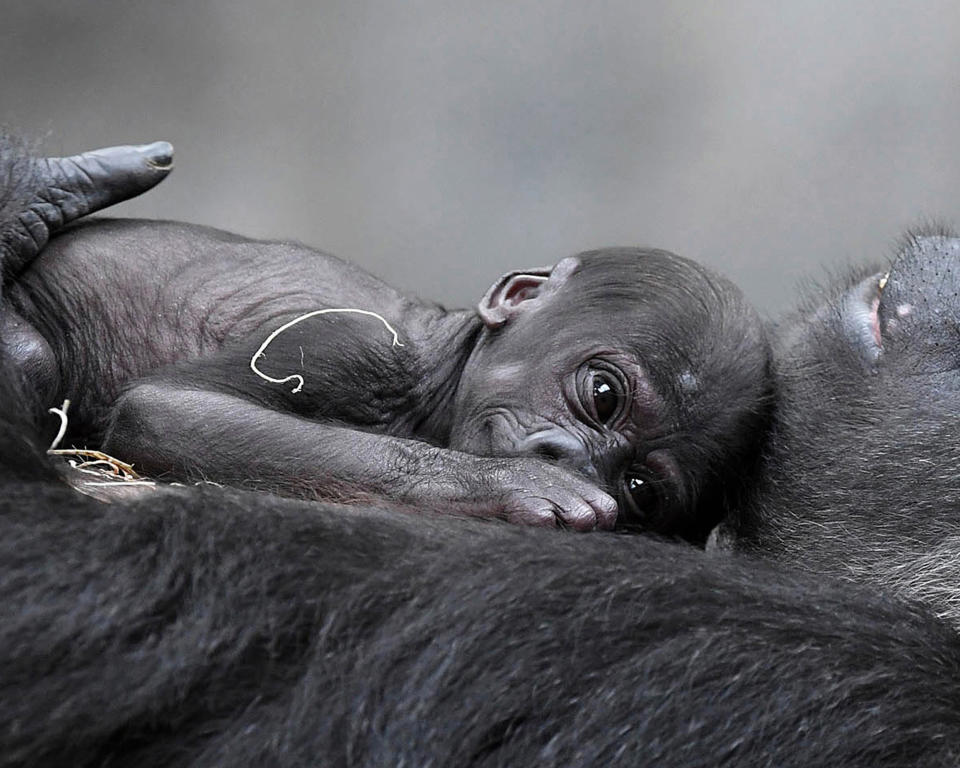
640,368
862,474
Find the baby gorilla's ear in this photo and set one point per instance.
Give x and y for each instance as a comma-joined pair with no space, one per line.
519,291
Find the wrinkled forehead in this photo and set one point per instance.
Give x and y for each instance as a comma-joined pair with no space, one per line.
646,276
688,329
662,344
650,302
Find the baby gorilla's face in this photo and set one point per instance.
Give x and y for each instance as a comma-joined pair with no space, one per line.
614,369
590,408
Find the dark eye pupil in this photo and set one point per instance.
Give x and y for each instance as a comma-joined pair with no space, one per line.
641,491
604,399
644,509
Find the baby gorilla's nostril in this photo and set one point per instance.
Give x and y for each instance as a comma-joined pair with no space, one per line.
548,451
560,447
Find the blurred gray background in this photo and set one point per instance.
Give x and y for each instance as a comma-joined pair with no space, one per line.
440,144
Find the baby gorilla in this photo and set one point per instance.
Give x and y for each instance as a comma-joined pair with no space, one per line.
622,385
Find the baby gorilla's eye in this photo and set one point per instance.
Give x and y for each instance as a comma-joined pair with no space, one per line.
602,392
644,503
605,399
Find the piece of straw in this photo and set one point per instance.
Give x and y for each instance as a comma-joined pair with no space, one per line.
62,413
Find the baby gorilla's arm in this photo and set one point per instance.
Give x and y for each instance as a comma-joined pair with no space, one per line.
163,425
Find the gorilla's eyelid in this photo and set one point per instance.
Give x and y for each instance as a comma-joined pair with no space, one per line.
645,407
662,463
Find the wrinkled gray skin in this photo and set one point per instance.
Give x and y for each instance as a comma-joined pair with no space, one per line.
623,384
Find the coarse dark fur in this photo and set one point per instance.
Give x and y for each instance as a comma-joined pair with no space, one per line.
862,475
208,626
624,384
200,626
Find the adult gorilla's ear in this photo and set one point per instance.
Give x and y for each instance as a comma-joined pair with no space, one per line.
518,291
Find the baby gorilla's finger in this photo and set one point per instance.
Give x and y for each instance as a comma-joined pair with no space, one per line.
605,507
541,515
585,507
571,511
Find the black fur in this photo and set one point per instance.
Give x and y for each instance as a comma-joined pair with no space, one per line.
201,627
861,477
207,626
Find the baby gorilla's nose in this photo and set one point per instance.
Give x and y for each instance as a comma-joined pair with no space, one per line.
560,447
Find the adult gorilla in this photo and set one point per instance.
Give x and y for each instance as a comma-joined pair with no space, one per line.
862,476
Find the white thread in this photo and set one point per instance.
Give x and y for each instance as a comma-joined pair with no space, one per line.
259,353
118,483
62,413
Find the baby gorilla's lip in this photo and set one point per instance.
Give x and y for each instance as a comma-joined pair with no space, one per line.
861,318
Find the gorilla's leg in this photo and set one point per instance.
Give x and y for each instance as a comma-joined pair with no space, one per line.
45,194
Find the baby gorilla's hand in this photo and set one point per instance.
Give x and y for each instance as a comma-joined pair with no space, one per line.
534,492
